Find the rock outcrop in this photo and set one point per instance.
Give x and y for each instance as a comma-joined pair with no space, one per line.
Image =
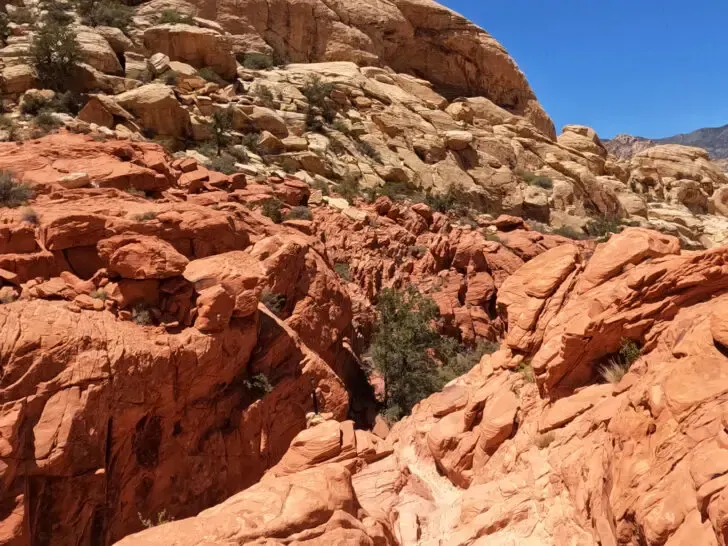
489,461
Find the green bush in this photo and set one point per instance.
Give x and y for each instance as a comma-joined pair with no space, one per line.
342,270
31,216
110,13
570,232
141,315
322,185
526,370
273,301
368,150
12,193
258,386
349,188
54,53
255,61
99,294
222,123
618,364
317,91
534,179
32,105
4,28
452,202
170,78
45,122
174,17
401,349
272,209
299,213
224,163
265,95
603,226
238,153
458,359
250,141
144,216
209,74
21,16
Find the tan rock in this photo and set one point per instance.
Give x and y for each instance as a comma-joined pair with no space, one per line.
200,47
157,108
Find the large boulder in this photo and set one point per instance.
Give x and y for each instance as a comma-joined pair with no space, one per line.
200,47
157,108
97,52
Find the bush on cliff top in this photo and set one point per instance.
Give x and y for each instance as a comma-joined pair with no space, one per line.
12,193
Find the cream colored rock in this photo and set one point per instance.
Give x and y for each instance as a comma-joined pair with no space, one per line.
97,52
458,140
18,79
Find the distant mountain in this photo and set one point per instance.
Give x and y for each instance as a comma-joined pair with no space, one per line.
712,139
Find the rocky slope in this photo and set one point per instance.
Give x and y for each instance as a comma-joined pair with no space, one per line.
172,317
713,140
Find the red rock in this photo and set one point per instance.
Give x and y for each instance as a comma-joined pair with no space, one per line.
141,257
236,272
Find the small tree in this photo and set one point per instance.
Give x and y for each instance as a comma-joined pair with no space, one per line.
222,122
4,29
401,349
54,53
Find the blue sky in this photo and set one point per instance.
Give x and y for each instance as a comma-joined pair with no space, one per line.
651,68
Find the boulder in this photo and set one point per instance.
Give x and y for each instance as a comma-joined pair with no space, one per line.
200,47
98,53
156,107
141,257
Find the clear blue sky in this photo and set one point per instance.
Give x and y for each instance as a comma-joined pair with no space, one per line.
650,68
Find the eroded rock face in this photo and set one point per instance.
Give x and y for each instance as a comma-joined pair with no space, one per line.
446,49
489,461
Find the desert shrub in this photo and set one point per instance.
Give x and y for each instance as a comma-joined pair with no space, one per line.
349,187
141,315
265,95
222,123
401,349
526,370
209,74
453,202
533,179
317,91
171,78
68,102
224,163
397,190
618,364
319,184
255,61
54,53
603,226
30,215
109,13
490,236
544,440
21,16
272,209
570,232
174,17
238,153
299,213
368,150
458,359
32,105
342,270
12,193
314,123
273,301
250,141
162,518
135,191
4,28
340,126
416,251
8,298
99,294
144,216
258,386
